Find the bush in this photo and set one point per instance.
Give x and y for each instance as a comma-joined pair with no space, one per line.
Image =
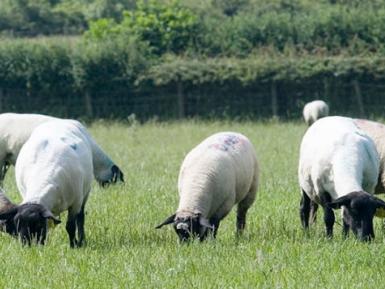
166,27
32,65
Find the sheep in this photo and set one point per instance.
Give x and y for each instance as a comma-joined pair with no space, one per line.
217,174
338,167
16,128
315,110
376,131
54,172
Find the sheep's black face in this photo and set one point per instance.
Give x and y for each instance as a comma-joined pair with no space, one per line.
31,223
188,228
28,221
115,175
359,210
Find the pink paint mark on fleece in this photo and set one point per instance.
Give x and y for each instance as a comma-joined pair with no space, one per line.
364,121
228,142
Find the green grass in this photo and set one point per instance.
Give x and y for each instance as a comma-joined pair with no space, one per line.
125,251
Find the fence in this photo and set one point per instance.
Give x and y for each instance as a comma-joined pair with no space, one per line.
230,100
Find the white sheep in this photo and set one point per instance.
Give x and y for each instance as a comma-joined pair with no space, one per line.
53,174
376,131
217,174
16,128
339,166
315,110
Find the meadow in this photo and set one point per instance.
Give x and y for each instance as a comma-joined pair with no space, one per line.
125,251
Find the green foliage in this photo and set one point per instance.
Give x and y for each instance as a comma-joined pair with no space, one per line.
167,27
264,68
47,17
230,7
312,28
29,64
238,27
106,64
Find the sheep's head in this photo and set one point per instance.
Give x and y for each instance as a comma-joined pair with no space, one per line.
114,175
29,221
359,210
188,226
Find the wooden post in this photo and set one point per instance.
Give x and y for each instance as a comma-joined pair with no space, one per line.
358,94
181,100
274,100
88,104
326,83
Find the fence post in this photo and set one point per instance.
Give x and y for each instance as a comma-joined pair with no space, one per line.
181,100
326,84
88,104
274,99
358,94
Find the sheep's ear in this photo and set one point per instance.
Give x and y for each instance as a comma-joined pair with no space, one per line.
48,215
338,203
5,203
9,214
117,174
205,223
380,210
168,221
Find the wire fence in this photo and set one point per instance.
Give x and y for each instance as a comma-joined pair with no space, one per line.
284,100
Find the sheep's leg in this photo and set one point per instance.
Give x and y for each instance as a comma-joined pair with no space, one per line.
214,221
80,225
345,223
71,229
329,217
313,212
40,238
329,220
243,206
304,210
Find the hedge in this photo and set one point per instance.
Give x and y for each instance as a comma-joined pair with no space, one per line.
114,80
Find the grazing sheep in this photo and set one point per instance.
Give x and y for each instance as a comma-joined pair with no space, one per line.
376,131
338,167
315,110
16,128
53,174
217,174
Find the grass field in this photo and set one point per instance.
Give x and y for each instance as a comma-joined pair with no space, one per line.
125,251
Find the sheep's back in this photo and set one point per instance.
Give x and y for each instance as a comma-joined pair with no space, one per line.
219,169
15,129
336,156
376,131
315,110
55,165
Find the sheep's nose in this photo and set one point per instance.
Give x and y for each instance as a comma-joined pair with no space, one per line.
182,226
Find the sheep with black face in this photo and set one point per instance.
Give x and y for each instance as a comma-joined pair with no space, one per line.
217,174
338,168
53,172
16,128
